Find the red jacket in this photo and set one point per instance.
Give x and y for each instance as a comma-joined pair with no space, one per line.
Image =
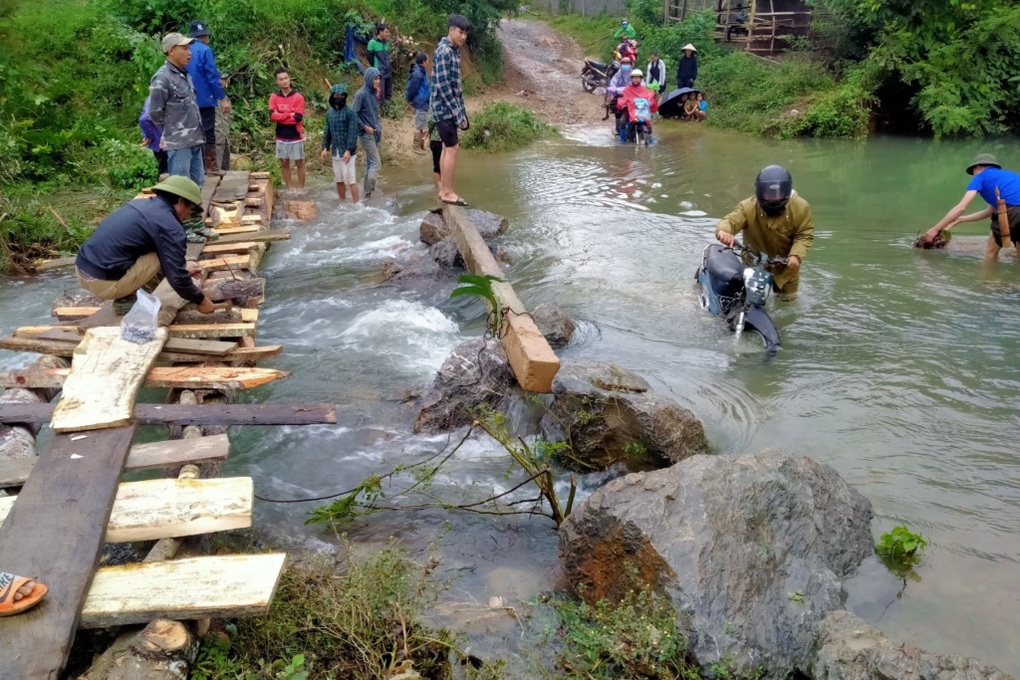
287,112
632,92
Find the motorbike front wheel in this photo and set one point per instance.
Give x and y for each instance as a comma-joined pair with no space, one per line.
588,81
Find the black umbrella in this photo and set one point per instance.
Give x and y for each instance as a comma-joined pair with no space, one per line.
671,106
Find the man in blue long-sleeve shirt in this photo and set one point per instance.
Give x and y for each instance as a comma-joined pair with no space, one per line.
208,90
138,241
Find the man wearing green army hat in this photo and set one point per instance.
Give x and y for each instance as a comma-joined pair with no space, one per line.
139,240
995,185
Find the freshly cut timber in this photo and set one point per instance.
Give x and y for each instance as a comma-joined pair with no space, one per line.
164,508
165,454
184,377
106,372
228,587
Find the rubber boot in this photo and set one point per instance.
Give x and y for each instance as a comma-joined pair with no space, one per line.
623,135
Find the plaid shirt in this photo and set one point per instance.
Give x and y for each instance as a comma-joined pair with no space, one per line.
447,94
341,133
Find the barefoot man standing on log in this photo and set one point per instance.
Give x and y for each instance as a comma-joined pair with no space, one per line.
139,240
1000,189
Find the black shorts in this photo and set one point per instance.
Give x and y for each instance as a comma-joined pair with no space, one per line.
448,131
437,151
1013,215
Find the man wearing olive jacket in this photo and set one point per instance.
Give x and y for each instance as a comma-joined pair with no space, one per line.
775,221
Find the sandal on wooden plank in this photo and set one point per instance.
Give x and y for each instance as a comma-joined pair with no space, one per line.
10,584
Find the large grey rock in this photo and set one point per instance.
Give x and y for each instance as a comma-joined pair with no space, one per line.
446,254
472,377
751,549
555,325
608,416
849,648
434,228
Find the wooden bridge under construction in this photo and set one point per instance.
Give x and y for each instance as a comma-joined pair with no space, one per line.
70,500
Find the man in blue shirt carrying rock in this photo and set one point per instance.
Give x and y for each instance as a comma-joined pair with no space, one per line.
1000,189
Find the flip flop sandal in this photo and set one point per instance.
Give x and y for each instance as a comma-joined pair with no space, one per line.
9,585
459,201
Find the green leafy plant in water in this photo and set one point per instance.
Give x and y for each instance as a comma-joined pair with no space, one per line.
900,549
481,286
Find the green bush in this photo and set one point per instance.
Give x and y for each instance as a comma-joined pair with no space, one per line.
900,549
634,638
504,127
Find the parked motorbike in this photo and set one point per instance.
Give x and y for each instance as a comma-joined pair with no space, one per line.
735,284
596,74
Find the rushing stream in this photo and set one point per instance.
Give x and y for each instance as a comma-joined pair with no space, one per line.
899,368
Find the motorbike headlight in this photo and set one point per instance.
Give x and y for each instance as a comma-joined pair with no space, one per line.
748,277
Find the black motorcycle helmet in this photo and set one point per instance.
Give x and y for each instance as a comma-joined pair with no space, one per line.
773,189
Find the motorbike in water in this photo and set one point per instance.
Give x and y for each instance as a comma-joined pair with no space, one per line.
596,74
736,282
637,132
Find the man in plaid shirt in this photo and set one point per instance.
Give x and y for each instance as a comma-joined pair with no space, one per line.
447,102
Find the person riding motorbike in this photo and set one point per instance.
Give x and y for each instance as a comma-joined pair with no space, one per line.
639,103
616,86
626,49
775,221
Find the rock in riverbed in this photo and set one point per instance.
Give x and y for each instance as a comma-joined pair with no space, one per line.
609,417
555,325
751,549
849,648
476,374
434,228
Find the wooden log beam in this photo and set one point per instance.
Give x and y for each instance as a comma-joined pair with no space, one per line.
154,455
532,359
203,414
230,263
54,532
172,377
164,508
225,587
215,249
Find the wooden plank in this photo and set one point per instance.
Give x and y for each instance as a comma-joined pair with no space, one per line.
532,359
106,372
247,229
211,347
154,455
201,330
167,508
202,414
66,349
212,330
55,264
254,235
216,248
73,313
55,533
225,587
231,262
173,377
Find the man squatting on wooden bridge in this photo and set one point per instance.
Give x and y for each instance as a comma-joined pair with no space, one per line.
140,240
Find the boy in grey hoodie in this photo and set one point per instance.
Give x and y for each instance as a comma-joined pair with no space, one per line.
366,108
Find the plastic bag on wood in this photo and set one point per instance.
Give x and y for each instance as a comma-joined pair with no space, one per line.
139,325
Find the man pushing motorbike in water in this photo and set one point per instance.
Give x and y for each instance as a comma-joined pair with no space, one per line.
775,221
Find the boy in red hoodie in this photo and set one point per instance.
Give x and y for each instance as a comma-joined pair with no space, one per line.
628,100
287,109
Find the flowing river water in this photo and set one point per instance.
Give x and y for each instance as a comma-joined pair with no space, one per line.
899,368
